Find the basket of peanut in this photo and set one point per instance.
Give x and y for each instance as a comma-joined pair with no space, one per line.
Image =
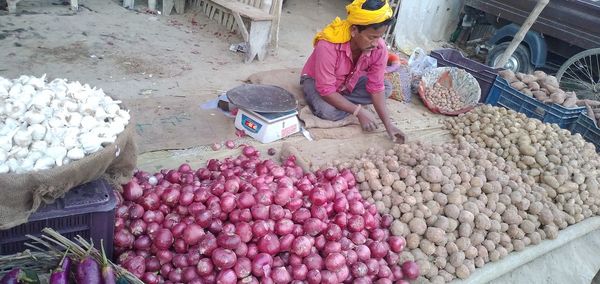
449,90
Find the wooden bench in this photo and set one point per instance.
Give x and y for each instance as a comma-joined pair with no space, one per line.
256,20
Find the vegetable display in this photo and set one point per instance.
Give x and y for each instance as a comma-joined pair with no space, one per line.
246,220
45,125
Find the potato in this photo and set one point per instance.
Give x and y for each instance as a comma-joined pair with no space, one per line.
518,85
533,86
463,272
540,75
558,97
432,174
527,79
417,226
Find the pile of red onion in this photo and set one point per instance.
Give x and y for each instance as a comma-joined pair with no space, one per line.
246,220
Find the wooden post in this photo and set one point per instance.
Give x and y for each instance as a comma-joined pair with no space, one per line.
537,10
277,9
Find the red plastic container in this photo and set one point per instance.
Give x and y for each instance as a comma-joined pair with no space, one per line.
87,210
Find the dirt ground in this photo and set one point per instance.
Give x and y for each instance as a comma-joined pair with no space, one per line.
134,56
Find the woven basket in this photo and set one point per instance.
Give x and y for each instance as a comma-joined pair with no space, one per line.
463,83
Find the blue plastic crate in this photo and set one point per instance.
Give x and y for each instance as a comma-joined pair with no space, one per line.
588,129
502,94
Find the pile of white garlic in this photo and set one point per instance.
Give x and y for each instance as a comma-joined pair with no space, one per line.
44,125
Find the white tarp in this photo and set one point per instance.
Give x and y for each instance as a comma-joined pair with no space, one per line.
426,23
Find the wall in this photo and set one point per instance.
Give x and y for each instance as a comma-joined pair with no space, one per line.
426,23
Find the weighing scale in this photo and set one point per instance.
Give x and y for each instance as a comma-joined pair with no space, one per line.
266,113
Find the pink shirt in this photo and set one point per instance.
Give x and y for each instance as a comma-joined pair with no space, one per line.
330,64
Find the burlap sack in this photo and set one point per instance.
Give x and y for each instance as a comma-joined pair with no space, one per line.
289,79
22,194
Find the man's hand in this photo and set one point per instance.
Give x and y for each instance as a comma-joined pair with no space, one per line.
396,134
367,120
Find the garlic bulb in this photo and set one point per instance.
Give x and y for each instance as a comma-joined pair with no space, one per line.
15,109
75,154
39,146
38,131
13,165
4,168
44,163
3,156
19,152
37,83
15,90
41,99
34,117
89,143
3,92
22,138
57,153
88,122
74,119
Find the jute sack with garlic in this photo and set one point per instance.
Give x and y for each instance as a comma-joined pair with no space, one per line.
55,136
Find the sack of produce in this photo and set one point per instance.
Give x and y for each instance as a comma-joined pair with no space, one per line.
55,136
449,90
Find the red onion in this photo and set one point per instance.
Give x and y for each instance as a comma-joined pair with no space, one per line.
330,173
335,261
228,241
132,191
313,226
142,243
372,266
318,197
204,218
207,244
356,223
252,251
284,227
363,252
260,212
359,269
396,243
377,234
123,238
166,268
152,264
192,234
136,265
164,256
138,227
180,261
229,144
285,242
384,271
301,246
333,232
392,258
313,261
318,212
244,231
204,267
136,211
379,249
280,275
385,281
223,258
260,262
343,274
260,228
410,270
328,277
331,247
249,151
320,242
386,220
177,229
301,215
189,274
150,278
351,257
271,151
313,276
245,200
268,244
276,212
163,239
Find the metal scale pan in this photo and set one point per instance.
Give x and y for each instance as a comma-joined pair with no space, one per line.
262,98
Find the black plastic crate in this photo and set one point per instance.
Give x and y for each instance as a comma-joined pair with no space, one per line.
588,129
484,74
87,210
502,94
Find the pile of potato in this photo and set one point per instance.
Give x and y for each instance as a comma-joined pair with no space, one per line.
564,165
444,98
507,182
592,109
541,86
458,206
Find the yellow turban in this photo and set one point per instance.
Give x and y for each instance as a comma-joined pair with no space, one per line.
339,30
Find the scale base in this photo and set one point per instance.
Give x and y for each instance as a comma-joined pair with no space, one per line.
267,127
